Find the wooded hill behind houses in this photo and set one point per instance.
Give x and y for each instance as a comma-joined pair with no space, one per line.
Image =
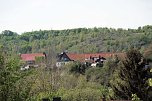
80,40
116,79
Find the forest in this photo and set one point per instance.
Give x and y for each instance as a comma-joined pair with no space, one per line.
117,79
80,40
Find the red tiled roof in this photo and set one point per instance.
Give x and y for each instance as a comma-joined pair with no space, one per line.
76,57
31,57
105,55
82,57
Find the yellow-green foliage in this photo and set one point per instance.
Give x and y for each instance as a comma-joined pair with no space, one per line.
150,80
82,40
135,97
81,89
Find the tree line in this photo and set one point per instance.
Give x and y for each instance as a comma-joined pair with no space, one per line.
80,40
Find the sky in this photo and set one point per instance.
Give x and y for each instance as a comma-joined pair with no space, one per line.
30,15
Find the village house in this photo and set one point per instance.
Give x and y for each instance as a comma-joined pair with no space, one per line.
94,59
30,59
63,59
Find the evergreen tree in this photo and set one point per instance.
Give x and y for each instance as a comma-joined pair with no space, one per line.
133,78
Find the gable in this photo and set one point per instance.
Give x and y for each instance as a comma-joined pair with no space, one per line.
63,57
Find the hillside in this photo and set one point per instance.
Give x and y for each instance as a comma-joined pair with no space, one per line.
114,79
80,40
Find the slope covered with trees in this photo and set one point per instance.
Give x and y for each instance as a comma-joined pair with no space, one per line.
80,40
